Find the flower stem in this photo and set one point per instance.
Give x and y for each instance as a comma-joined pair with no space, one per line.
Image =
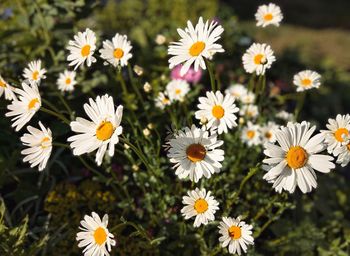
211,74
56,114
137,91
300,104
65,104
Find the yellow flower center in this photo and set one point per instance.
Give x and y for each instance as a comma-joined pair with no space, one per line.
104,131
118,53
340,133
85,51
306,82
250,134
196,152
259,59
32,103
268,135
2,84
100,236
43,144
165,101
35,75
218,111
268,17
177,91
68,81
197,48
201,205
296,157
235,232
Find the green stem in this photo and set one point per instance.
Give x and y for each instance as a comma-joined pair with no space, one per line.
132,80
59,144
56,114
251,82
65,104
122,82
49,104
211,74
300,105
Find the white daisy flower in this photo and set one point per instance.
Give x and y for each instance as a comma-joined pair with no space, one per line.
34,72
117,51
177,89
258,58
305,80
101,132
39,143
292,162
235,234
195,153
237,91
251,134
200,204
27,104
7,89
248,98
338,129
267,132
218,110
162,100
343,152
268,15
82,48
250,111
195,45
66,81
284,115
95,236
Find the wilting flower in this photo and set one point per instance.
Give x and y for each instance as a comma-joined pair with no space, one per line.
258,58
66,81
95,236
292,162
27,104
199,204
195,154
218,110
177,89
34,72
100,133
117,51
235,234
268,15
7,89
306,80
39,143
191,75
82,48
195,45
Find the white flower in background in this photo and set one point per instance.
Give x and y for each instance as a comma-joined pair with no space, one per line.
248,98
292,162
218,110
147,87
177,89
34,72
138,70
250,111
162,100
100,133
237,91
117,51
235,234
195,154
39,143
195,45
284,115
82,48
338,130
267,132
66,81
251,134
305,80
7,89
160,39
343,152
27,104
258,58
95,236
268,15
199,204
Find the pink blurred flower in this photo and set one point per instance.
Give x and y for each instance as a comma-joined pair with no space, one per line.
191,76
